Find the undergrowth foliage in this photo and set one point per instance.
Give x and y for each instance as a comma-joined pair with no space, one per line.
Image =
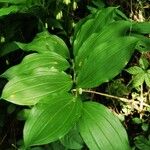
103,44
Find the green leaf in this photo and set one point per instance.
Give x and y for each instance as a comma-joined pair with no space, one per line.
57,146
34,61
72,140
143,62
7,48
135,70
106,62
101,130
136,120
147,79
142,143
144,42
23,114
45,42
121,15
9,10
141,27
145,126
79,24
29,89
51,119
115,29
13,1
138,79
93,25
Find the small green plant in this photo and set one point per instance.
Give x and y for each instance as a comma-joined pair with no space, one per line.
51,83
140,77
140,73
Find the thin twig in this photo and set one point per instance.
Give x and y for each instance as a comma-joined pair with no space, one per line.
125,100
3,139
108,95
141,98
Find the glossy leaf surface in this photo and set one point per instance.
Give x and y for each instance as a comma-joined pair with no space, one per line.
101,130
45,42
115,29
29,89
93,25
51,119
106,62
34,61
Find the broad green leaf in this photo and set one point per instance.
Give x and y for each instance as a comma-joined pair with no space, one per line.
138,79
13,1
147,79
82,35
29,89
101,130
141,27
135,70
115,29
106,62
9,10
45,42
51,119
72,140
34,61
93,25
79,24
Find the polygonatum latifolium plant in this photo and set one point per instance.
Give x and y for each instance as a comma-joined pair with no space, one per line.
103,44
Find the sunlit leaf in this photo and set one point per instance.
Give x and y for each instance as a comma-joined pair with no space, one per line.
34,61
138,79
29,89
101,130
115,29
51,119
135,70
147,79
93,25
45,42
105,62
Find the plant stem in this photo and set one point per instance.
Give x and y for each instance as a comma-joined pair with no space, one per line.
108,95
125,100
141,101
